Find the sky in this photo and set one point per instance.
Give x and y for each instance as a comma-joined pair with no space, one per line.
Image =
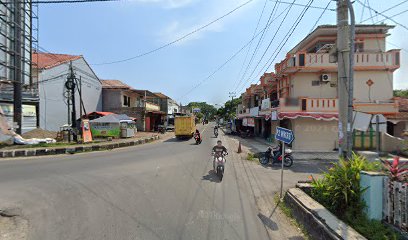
110,31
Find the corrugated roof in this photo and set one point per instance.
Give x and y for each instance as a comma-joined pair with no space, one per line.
115,84
49,60
161,95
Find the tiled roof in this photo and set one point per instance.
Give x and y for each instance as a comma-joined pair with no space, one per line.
49,60
114,84
403,104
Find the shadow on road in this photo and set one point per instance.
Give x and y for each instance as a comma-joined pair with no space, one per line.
268,222
211,176
176,140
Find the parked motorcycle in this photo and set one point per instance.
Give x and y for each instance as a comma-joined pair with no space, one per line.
274,155
198,139
220,165
246,134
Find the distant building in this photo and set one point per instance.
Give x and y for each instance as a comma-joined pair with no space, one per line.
167,104
143,105
53,70
11,67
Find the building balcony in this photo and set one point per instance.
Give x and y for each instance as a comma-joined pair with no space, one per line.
309,105
152,107
312,62
330,105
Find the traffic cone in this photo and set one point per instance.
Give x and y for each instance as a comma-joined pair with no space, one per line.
239,147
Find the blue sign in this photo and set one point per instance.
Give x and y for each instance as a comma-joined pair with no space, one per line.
284,135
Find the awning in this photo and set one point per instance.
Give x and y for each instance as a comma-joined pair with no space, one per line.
316,116
156,112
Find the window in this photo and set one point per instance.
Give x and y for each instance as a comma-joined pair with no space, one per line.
359,47
126,101
316,83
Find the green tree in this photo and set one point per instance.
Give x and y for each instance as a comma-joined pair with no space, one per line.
206,109
401,93
229,110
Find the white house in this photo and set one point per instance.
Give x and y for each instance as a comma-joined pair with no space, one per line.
52,73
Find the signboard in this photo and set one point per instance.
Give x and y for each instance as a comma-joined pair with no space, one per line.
254,111
248,122
86,131
266,104
196,110
251,122
274,116
284,135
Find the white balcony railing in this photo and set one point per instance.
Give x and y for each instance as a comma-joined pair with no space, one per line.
362,60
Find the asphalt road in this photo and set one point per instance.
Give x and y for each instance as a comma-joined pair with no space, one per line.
162,190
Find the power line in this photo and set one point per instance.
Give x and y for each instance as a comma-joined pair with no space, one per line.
258,44
177,40
284,41
321,15
378,13
250,45
395,15
229,59
386,10
302,5
270,43
63,1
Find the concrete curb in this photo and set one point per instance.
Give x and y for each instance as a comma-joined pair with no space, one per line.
74,149
318,221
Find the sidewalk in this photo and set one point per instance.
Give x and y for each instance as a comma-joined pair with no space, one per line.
258,144
29,151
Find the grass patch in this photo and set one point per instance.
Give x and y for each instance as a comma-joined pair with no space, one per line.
251,157
289,214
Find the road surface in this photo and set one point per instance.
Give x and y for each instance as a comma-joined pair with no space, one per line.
162,190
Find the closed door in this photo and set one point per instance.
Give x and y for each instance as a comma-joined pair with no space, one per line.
147,124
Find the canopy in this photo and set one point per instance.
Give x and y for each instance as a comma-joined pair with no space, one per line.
112,118
317,116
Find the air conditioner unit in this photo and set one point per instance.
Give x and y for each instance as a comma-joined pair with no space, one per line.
325,77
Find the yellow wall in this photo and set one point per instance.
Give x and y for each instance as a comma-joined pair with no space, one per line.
314,135
380,90
302,86
372,45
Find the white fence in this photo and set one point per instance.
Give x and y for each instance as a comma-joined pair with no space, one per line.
395,204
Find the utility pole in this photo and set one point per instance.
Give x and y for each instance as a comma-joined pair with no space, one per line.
232,95
70,84
345,75
351,81
17,93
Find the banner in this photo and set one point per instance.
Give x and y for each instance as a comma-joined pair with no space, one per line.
251,122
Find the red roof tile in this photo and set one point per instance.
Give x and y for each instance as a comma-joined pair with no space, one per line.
49,60
403,104
114,84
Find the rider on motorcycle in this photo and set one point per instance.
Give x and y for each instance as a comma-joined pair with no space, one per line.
215,130
218,150
197,134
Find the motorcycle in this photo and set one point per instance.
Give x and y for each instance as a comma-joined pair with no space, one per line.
216,132
198,139
220,164
274,155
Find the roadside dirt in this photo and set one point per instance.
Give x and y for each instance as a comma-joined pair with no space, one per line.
12,226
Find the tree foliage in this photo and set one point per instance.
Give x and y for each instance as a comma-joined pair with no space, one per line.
205,109
229,110
401,93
